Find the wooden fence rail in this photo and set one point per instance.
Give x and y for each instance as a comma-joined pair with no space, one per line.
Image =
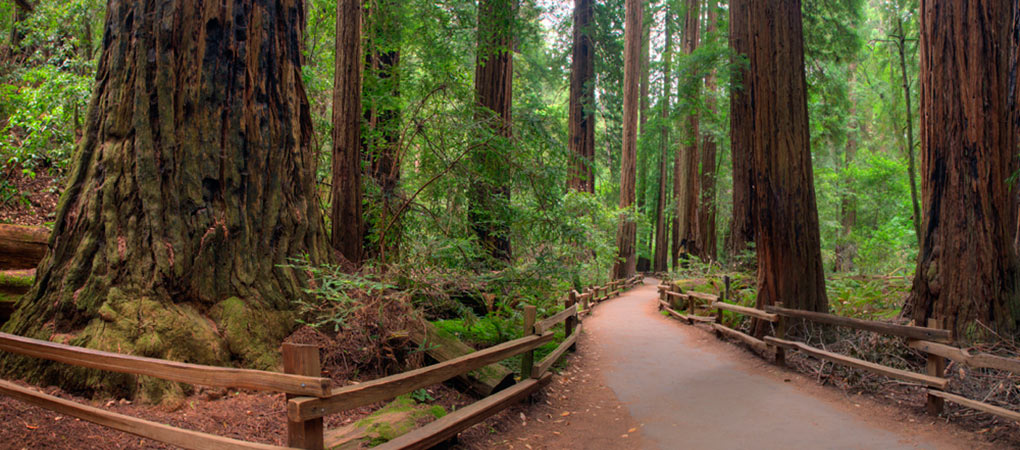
931,340
310,397
167,370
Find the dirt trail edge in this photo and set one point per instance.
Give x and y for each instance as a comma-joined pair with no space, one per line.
640,380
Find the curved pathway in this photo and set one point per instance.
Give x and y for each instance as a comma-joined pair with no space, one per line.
641,380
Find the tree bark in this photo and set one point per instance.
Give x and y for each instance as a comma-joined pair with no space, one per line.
967,267
661,231
706,204
787,236
348,220
742,225
687,187
192,189
493,90
383,120
582,100
627,233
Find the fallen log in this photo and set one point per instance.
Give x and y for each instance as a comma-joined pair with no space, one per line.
22,247
441,347
396,419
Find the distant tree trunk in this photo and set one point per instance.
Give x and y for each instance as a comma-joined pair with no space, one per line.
687,186
627,233
493,90
582,100
382,117
348,221
901,44
741,232
846,250
192,188
967,270
706,205
643,156
661,231
787,237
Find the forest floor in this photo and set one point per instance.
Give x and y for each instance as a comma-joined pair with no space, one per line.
30,201
641,380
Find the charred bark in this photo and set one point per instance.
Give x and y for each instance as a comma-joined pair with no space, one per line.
967,266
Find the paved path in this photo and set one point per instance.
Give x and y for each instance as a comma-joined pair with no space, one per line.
689,397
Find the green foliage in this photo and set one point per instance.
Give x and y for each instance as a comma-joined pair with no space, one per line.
334,295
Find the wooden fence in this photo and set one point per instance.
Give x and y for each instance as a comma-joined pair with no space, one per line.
932,340
310,397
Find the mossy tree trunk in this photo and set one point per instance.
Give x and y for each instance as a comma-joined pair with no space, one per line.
193,185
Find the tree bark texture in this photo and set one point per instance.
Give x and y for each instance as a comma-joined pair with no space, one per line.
493,90
967,266
661,231
787,237
626,235
383,120
192,188
687,186
706,203
741,232
348,221
646,71
582,100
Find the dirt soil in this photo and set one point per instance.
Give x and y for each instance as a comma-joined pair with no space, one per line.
36,201
642,380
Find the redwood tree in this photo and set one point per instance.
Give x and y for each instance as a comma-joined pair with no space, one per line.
706,202
686,186
741,231
626,235
192,188
582,98
493,91
661,231
348,221
967,266
787,236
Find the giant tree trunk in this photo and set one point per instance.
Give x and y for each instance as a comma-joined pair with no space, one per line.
193,187
582,101
741,232
967,267
348,221
626,235
493,89
661,232
787,237
382,117
687,186
706,205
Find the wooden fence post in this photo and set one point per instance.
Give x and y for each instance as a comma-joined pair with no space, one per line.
302,359
936,367
725,296
571,321
584,300
781,334
528,358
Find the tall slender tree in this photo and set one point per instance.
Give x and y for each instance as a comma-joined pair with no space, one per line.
493,91
383,122
582,97
706,203
786,215
192,188
686,185
627,233
967,270
661,230
348,221
741,231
